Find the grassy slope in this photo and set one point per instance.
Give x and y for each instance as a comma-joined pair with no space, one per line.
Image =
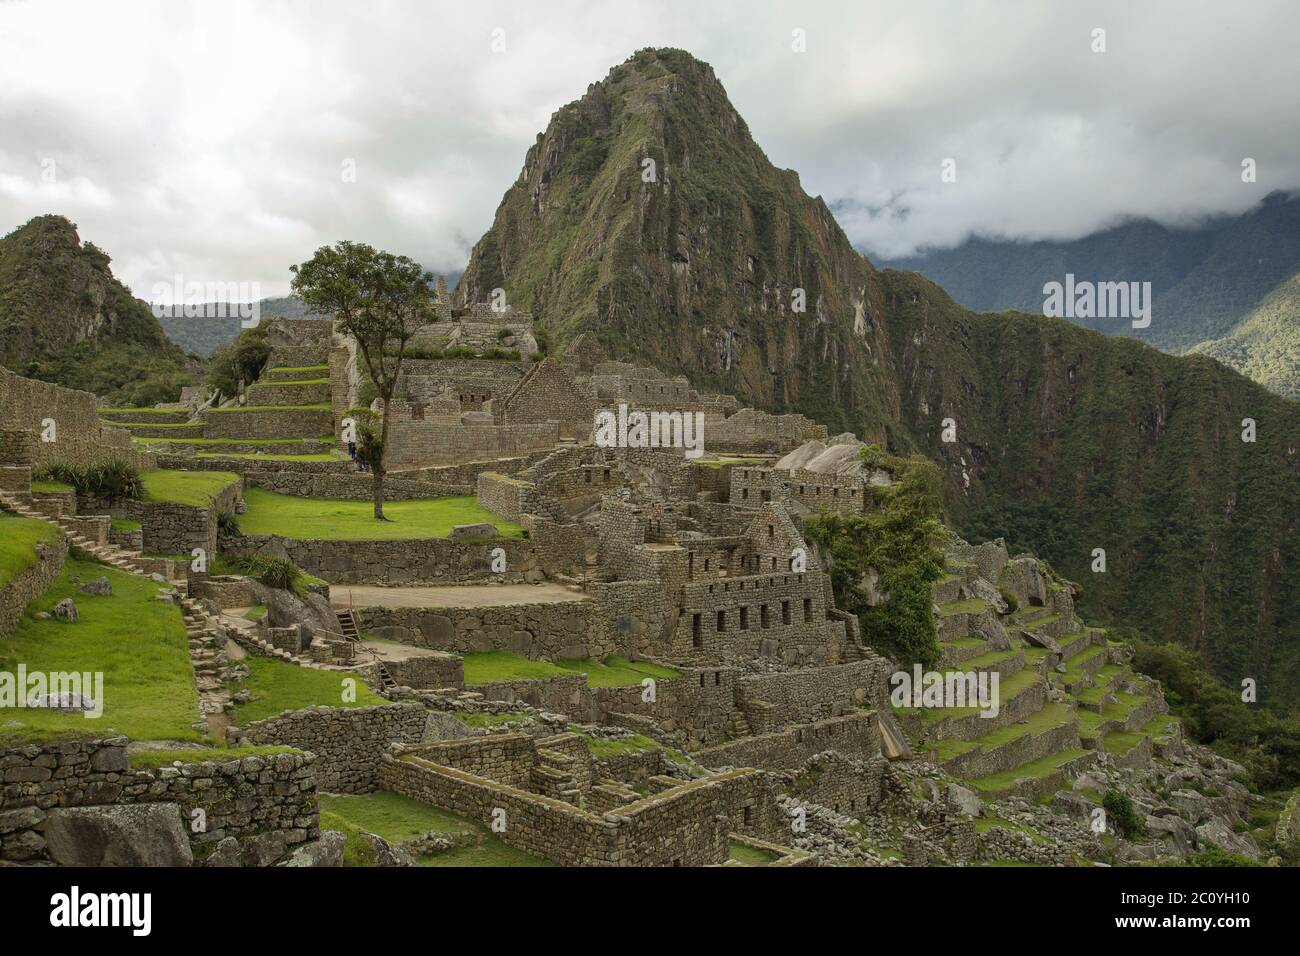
135,640
282,686
397,818
307,518
196,488
488,666
18,540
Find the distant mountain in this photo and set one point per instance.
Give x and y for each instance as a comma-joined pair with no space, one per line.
64,318
1207,283
646,217
203,336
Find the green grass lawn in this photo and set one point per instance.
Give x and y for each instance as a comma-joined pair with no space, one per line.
487,720
300,368
124,525
51,487
967,606
617,671
297,381
282,686
194,488
18,540
397,819
332,519
136,641
751,855
1042,767
230,441
487,666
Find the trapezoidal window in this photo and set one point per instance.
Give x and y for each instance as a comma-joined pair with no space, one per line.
722,622
697,638
807,610
785,612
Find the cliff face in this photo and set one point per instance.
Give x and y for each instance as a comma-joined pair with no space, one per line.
64,318
647,216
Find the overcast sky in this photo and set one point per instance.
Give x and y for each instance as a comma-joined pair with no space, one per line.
209,138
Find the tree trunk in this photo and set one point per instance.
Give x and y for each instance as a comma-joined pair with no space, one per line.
379,465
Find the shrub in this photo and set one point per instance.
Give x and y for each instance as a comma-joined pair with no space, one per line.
112,480
1119,810
228,523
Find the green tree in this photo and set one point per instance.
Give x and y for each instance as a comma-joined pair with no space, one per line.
380,300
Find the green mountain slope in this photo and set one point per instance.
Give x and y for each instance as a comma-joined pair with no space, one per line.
1066,440
1265,346
65,319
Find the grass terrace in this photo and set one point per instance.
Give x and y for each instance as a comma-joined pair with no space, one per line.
135,640
967,606
194,488
51,487
399,819
18,540
337,520
125,525
300,368
277,686
236,409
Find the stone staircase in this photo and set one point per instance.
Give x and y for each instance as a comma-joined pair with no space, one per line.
348,628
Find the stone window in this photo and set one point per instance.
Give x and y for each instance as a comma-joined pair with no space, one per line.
807,610
773,568
697,639
762,616
766,496
748,816
587,475
744,493
744,618
771,531
722,622
785,612
717,678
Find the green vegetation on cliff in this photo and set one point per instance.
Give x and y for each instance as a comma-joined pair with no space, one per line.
65,319
900,541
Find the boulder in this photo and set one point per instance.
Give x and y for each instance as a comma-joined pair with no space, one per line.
1175,833
225,854
311,613
145,834
1218,833
101,587
964,801
66,610
481,530
327,851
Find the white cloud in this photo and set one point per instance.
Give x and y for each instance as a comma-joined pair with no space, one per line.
208,139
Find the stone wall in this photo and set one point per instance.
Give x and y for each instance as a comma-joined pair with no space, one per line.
686,825
78,436
853,735
509,497
414,444
772,701
271,423
545,631
272,796
30,584
549,393
347,741
399,563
